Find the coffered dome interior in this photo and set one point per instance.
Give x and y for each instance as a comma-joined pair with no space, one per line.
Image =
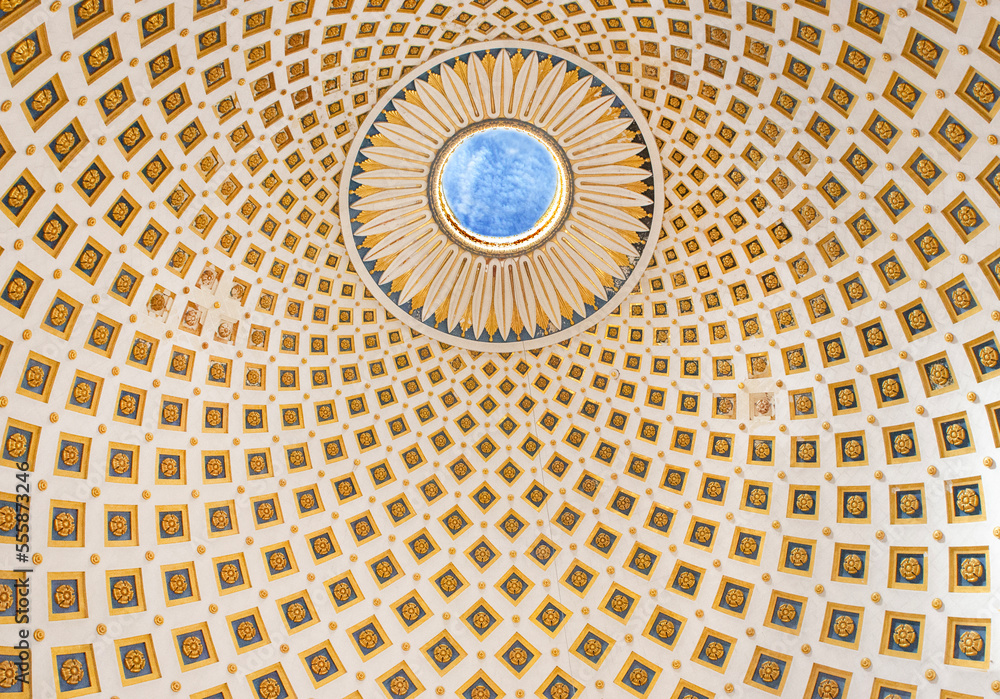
763,467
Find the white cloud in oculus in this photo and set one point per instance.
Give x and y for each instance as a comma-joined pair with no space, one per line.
499,182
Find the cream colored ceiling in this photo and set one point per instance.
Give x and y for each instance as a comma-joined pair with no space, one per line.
186,348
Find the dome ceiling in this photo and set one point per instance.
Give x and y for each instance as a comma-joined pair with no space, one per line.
754,457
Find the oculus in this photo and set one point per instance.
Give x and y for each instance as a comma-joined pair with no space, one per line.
500,186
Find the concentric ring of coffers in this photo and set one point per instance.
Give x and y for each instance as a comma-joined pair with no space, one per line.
540,289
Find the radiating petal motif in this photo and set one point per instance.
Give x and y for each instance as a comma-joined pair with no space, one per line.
457,93
402,233
411,139
524,87
585,119
527,294
548,92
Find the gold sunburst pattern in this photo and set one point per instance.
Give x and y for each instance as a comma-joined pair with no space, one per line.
478,292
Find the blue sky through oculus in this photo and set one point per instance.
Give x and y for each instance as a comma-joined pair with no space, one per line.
498,182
